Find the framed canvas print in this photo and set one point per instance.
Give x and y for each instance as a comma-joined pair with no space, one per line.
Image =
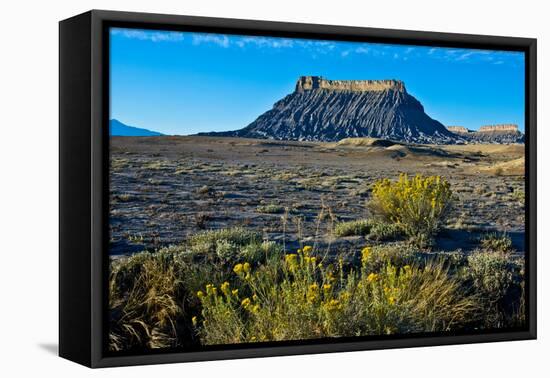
233,188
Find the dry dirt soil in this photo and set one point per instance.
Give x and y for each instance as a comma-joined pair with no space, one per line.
164,189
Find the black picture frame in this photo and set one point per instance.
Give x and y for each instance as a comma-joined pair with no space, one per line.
83,179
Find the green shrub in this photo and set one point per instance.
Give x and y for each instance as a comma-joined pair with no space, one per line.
226,250
229,245
224,243
376,257
371,228
257,252
381,231
418,205
270,209
496,242
352,228
498,281
491,273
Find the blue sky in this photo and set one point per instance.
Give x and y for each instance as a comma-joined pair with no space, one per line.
183,83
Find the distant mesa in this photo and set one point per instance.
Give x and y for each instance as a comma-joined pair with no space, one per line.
117,128
503,133
458,129
330,110
499,128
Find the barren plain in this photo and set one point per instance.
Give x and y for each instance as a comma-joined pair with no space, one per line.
165,189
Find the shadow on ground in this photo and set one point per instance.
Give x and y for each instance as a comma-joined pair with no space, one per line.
453,239
51,348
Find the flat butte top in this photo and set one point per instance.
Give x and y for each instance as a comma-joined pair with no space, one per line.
306,83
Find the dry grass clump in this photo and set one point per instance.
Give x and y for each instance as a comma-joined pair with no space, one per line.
124,197
519,196
154,165
202,219
204,190
143,308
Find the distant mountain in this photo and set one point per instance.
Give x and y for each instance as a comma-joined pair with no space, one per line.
331,110
117,128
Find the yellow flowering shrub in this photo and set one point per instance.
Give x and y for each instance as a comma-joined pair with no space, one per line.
296,299
418,204
220,321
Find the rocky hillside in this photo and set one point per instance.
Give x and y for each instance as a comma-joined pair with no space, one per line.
331,110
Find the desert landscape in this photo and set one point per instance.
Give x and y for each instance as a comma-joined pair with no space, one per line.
165,189
343,211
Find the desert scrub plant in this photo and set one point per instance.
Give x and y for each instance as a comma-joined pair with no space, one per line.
136,238
225,244
154,165
239,243
204,190
117,164
498,281
299,297
491,274
418,205
376,257
496,242
264,251
352,228
201,220
382,231
519,196
371,228
270,209
125,197
142,305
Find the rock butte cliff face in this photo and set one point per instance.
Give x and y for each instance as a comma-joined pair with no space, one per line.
331,110
504,127
308,83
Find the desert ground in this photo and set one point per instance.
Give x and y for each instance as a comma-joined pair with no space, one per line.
165,189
